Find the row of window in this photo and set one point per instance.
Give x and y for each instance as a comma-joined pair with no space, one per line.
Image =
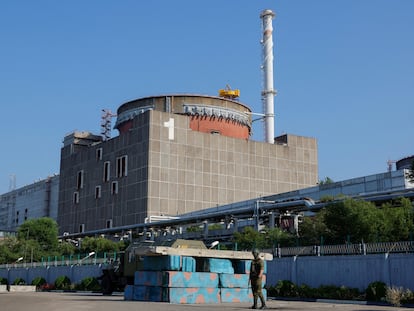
17,216
121,165
108,225
98,192
121,171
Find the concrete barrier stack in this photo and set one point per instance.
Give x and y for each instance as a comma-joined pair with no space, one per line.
186,280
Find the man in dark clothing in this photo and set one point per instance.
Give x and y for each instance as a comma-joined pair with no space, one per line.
256,273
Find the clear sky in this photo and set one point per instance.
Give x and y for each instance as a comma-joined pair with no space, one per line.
344,72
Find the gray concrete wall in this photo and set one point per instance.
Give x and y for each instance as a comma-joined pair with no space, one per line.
168,177
75,273
350,271
33,201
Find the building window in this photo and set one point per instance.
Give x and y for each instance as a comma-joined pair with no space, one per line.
75,197
17,217
122,166
107,171
79,180
99,154
81,228
114,187
109,223
98,192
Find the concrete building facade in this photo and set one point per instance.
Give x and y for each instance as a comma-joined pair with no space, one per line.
405,163
175,155
354,187
36,200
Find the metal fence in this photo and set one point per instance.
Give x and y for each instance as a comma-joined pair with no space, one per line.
72,260
346,249
316,250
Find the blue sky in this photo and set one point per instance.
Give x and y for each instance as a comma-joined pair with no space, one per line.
344,71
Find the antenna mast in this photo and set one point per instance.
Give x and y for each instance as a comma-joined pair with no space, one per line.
106,123
12,182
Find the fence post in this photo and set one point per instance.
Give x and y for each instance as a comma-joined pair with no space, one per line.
320,248
386,269
294,276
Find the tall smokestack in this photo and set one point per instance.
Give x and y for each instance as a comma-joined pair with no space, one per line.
268,92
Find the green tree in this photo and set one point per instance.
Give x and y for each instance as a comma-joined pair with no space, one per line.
326,181
66,248
312,229
41,231
37,238
275,237
268,238
397,221
350,221
9,250
98,245
249,238
356,220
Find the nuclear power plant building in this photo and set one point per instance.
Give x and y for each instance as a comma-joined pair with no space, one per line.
175,154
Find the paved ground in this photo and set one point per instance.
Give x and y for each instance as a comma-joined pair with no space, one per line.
44,301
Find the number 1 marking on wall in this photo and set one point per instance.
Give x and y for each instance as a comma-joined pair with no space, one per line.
170,126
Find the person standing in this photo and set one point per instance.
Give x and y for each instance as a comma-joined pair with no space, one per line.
256,274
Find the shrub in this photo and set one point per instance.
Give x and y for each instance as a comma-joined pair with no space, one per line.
19,281
397,295
285,288
3,281
376,291
271,291
89,284
305,291
288,289
38,282
338,292
62,282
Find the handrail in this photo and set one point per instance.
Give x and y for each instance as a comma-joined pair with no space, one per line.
71,260
345,249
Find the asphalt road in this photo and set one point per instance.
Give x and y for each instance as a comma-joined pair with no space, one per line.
44,301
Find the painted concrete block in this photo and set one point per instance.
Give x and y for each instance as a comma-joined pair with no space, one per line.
234,280
238,294
148,278
148,293
218,265
162,263
129,292
22,288
190,279
192,295
188,264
